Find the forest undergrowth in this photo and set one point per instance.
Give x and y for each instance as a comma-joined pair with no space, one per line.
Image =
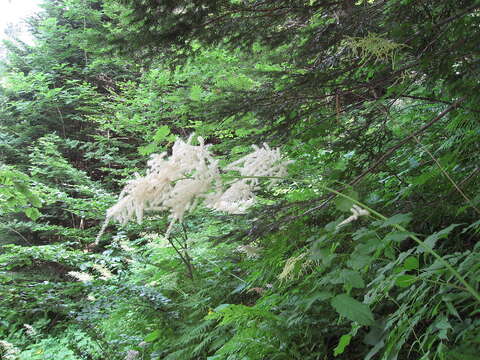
241,180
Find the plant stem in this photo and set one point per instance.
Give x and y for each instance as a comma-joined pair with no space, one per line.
427,248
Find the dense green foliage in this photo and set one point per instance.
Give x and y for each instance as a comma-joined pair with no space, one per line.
376,102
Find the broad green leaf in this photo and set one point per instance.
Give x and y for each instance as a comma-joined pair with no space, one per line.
152,336
147,149
32,213
323,254
352,309
442,323
397,219
411,263
318,296
405,280
358,261
352,278
21,187
161,133
344,204
342,344
364,234
370,246
196,93
34,200
431,241
398,236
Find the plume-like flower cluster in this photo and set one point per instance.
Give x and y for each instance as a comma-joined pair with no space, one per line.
240,195
250,251
288,270
357,211
81,276
103,271
30,330
176,184
170,184
9,351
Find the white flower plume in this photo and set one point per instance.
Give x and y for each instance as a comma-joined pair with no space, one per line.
191,174
81,276
239,196
357,211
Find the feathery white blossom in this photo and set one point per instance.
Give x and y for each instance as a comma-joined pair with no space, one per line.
191,174
357,211
235,200
81,276
263,162
249,250
288,270
172,184
102,270
30,329
10,352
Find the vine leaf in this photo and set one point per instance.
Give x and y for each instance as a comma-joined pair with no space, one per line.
152,336
431,241
405,280
352,309
342,344
411,263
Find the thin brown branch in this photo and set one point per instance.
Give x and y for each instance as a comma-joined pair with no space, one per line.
444,172
469,177
390,152
183,258
433,100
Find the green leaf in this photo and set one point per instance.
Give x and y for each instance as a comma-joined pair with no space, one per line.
442,323
242,132
196,93
358,261
398,236
319,296
161,133
35,200
431,241
342,344
32,213
147,149
352,309
152,336
21,187
405,280
397,219
344,204
352,278
411,263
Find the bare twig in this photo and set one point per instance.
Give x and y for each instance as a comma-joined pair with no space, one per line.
19,234
389,153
